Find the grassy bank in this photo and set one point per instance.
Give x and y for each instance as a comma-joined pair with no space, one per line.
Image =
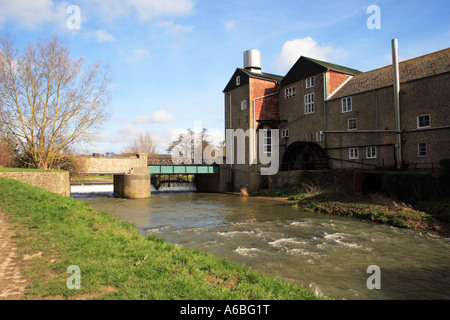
431,217
6,169
91,178
115,261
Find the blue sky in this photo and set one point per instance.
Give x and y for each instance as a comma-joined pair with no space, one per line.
171,59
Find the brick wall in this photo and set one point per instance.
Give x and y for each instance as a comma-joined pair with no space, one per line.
334,81
267,108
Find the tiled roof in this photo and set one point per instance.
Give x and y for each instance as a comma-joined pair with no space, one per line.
262,75
307,67
417,68
335,67
246,75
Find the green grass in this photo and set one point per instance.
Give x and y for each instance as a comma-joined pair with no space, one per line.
91,177
277,193
6,169
115,261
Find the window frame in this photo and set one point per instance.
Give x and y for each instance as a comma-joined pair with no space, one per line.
310,82
356,124
309,105
352,155
370,154
285,133
320,136
426,126
244,103
419,155
348,107
267,141
289,92
238,80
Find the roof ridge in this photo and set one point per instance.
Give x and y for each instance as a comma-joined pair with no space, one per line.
427,65
334,66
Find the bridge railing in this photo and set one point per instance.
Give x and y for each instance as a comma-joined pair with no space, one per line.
184,169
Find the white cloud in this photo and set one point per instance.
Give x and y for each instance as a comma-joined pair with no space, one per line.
229,25
292,50
101,36
160,116
174,28
139,54
148,9
31,14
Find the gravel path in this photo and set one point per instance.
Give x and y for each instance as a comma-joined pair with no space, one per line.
12,282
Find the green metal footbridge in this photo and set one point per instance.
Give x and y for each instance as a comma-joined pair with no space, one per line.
183,169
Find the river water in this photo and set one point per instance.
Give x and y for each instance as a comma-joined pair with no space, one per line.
329,255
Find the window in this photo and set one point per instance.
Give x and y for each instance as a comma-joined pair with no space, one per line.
285,133
423,121
267,140
422,149
353,153
352,124
289,93
238,80
244,105
371,152
346,104
320,136
309,136
309,103
310,82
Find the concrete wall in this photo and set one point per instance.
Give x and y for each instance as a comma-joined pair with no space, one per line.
57,182
132,186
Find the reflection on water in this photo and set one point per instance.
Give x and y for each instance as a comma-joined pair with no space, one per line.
329,255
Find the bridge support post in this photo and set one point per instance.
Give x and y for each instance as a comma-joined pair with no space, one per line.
135,185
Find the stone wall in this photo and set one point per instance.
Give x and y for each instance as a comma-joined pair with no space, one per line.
112,165
56,182
341,180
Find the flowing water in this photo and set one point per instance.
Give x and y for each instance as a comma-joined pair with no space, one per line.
329,255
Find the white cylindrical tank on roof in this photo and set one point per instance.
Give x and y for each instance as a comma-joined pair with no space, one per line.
252,60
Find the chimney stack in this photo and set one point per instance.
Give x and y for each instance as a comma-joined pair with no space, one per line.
252,61
398,135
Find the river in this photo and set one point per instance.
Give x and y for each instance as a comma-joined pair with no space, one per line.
327,254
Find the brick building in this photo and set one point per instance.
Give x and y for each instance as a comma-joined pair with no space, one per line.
330,116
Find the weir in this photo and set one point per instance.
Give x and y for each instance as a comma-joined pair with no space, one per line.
133,175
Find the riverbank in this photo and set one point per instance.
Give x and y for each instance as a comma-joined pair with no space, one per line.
430,217
115,261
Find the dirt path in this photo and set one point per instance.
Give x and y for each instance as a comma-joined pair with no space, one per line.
12,282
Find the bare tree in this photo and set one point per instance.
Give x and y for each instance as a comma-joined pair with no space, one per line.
142,144
7,157
187,143
49,100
